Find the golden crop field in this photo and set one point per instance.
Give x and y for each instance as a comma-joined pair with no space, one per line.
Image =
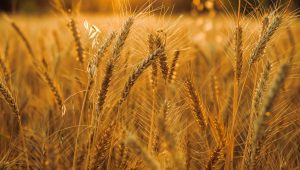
148,90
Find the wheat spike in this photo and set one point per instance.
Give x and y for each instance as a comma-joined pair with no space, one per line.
23,37
173,66
151,46
238,52
101,148
159,43
54,90
137,73
77,39
94,62
198,113
259,50
9,98
214,158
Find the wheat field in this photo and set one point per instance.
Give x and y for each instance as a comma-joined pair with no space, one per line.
143,90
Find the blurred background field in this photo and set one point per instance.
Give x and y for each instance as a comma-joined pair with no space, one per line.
108,6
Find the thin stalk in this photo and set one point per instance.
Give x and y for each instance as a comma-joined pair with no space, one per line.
90,82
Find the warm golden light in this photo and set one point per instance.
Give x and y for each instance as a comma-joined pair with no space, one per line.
149,85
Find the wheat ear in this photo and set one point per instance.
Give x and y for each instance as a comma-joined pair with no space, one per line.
152,47
137,73
239,52
259,50
163,56
172,73
214,158
77,39
23,37
7,96
101,148
94,61
198,112
119,45
54,90
108,74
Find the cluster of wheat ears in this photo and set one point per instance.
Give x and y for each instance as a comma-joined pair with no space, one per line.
149,92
